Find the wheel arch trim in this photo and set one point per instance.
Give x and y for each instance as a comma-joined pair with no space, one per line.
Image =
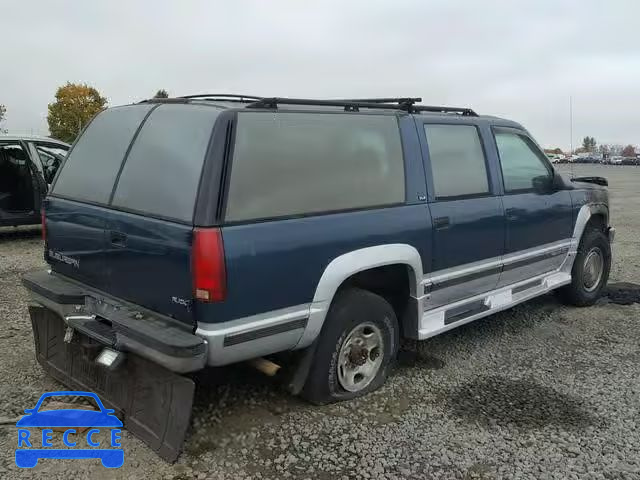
350,263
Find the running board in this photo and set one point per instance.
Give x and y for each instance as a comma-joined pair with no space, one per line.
450,316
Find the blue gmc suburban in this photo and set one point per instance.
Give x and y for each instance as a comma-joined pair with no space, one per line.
211,229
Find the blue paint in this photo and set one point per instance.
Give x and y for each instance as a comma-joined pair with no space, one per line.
278,263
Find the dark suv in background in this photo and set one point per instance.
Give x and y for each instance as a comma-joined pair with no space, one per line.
213,229
27,167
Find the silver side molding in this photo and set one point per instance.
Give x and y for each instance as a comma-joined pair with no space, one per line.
450,316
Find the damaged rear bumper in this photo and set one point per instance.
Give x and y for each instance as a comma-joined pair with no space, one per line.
117,324
147,390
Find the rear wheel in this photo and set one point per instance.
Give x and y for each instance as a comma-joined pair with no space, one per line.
356,348
590,270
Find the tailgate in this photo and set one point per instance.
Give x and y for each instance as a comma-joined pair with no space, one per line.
120,215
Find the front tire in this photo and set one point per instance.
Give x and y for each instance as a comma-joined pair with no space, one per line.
590,270
356,348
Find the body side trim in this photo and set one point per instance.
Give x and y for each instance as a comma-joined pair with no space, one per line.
472,271
254,336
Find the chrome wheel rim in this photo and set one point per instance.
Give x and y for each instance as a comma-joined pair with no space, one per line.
360,357
592,269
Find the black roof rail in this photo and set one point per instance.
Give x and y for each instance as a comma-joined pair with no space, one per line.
465,112
407,104
353,105
349,105
165,100
399,100
224,96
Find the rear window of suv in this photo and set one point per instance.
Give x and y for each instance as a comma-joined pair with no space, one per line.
289,164
161,174
91,168
162,169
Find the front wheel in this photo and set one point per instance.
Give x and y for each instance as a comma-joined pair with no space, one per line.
590,270
356,348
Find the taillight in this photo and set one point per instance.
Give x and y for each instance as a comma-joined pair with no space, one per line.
209,274
43,219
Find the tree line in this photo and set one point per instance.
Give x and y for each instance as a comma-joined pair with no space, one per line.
590,145
74,106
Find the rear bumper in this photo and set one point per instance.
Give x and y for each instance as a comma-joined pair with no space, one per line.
118,325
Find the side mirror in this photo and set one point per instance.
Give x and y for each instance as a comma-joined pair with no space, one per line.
558,182
548,184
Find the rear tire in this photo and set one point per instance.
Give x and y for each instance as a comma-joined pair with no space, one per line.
590,270
356,348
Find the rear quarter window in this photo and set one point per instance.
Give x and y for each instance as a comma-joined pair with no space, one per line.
162,171
288,164
92,165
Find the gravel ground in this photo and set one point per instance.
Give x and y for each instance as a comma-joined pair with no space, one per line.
540,391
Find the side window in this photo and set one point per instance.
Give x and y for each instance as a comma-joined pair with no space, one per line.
51,157
289,163
520,160
457,161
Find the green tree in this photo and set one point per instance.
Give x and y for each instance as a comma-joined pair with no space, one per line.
589,144
161,94
75,105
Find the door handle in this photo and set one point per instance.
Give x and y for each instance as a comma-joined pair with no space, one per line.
118,239
512,214
441,223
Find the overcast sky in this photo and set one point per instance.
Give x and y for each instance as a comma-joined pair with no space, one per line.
518,59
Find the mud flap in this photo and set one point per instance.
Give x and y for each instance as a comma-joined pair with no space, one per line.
153,402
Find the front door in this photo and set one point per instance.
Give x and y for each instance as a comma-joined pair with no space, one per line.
17,186
538,216
467,215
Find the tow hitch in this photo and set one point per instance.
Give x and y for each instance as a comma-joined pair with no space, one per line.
154,403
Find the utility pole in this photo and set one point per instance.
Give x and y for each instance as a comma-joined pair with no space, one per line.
571,134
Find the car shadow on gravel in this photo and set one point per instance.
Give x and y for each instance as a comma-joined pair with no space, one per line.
622,293
9,234
497,401
231,401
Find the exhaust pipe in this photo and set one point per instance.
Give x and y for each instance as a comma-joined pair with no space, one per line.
265,366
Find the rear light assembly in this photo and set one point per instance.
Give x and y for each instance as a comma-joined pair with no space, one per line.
208,269
43,220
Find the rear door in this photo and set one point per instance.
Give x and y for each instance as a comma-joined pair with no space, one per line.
539,219
150,224
77,208
467,215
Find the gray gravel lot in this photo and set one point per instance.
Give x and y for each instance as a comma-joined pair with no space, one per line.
539,391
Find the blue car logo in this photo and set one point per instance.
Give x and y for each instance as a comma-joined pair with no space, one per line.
67,419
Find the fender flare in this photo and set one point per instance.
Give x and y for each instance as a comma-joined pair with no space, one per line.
348,264
584,215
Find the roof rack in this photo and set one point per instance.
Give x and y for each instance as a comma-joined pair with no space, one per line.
465,112
353,105
230,97
407,104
